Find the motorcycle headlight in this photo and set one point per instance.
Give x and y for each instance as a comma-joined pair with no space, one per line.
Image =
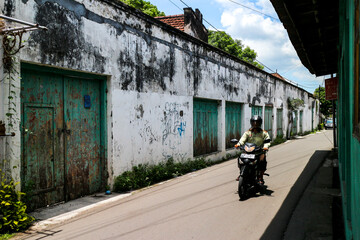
249,149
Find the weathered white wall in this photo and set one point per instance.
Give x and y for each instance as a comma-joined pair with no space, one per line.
154,72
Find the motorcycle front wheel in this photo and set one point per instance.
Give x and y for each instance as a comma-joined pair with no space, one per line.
241,189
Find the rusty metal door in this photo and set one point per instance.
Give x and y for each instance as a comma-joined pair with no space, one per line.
268,120
301,121
205,126
279,123
233,122
82,136
62,135
42,146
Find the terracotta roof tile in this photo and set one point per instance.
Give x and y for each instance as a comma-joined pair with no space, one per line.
278,76
176,21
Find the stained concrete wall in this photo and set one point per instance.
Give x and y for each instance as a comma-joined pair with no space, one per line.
154,72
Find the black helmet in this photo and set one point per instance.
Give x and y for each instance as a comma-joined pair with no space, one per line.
256,121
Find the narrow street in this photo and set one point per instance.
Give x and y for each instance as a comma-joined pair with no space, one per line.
201,205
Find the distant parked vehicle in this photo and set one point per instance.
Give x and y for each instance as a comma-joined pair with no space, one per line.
329,123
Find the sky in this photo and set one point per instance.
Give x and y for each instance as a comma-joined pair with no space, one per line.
257,25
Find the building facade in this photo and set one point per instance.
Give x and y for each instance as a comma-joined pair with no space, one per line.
107,87
326,37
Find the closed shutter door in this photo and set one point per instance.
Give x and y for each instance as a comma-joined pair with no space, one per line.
205,127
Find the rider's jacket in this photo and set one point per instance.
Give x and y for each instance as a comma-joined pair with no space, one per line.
257,136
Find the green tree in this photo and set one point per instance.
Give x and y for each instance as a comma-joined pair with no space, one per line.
225,42
145,7
325,105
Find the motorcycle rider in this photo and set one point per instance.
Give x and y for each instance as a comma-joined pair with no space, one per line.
257,135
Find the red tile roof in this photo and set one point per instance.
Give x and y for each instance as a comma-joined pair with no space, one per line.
278,76
176,21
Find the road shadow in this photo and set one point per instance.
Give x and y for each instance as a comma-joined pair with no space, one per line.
255,193
278,225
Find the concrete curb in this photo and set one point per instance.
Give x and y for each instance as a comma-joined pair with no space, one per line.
72,214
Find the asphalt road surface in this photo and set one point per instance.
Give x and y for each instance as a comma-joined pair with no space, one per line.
200,205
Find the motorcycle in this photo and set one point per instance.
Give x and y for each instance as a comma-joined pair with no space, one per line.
247,163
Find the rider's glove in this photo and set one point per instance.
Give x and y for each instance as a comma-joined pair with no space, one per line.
237,145
265,149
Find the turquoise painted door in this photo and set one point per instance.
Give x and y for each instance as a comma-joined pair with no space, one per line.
233,122
268,120
61,137
256,110
279,122
205,127
42,163
294,125
82,138
312,119
301,121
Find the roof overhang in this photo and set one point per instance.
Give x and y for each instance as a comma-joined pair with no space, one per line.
313,28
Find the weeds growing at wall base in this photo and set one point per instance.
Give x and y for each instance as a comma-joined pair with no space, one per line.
13,216
145,175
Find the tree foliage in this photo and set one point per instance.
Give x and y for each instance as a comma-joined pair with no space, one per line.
295,104
325,105
145,7
225,42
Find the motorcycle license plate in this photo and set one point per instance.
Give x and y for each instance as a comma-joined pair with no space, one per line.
249,156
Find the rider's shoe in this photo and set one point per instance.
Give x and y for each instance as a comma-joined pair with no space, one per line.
237,179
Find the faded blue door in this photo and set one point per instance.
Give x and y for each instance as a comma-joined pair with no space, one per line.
294,125
61,137
301,121
42,163
233,122
205,126
82,138
268,120
256,110
279,122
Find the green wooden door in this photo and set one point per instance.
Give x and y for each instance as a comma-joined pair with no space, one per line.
312,119
279,122
82,138
61,136
233,122
205,126
256,110
42,164
294,125
268,120
301,121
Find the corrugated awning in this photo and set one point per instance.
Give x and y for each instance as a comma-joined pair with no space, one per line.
313,28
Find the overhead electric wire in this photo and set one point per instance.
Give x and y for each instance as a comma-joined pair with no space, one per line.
175,5
264,65
253,10
219,30
203,17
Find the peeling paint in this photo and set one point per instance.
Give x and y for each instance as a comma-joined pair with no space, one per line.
9,8
154,73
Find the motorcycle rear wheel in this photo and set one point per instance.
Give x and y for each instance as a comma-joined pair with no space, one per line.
241,189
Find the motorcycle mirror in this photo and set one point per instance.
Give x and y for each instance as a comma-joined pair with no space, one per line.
234,140
267,140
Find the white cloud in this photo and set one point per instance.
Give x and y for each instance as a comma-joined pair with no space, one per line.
267,37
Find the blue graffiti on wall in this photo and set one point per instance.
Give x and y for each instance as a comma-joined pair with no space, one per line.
173,122
181,129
